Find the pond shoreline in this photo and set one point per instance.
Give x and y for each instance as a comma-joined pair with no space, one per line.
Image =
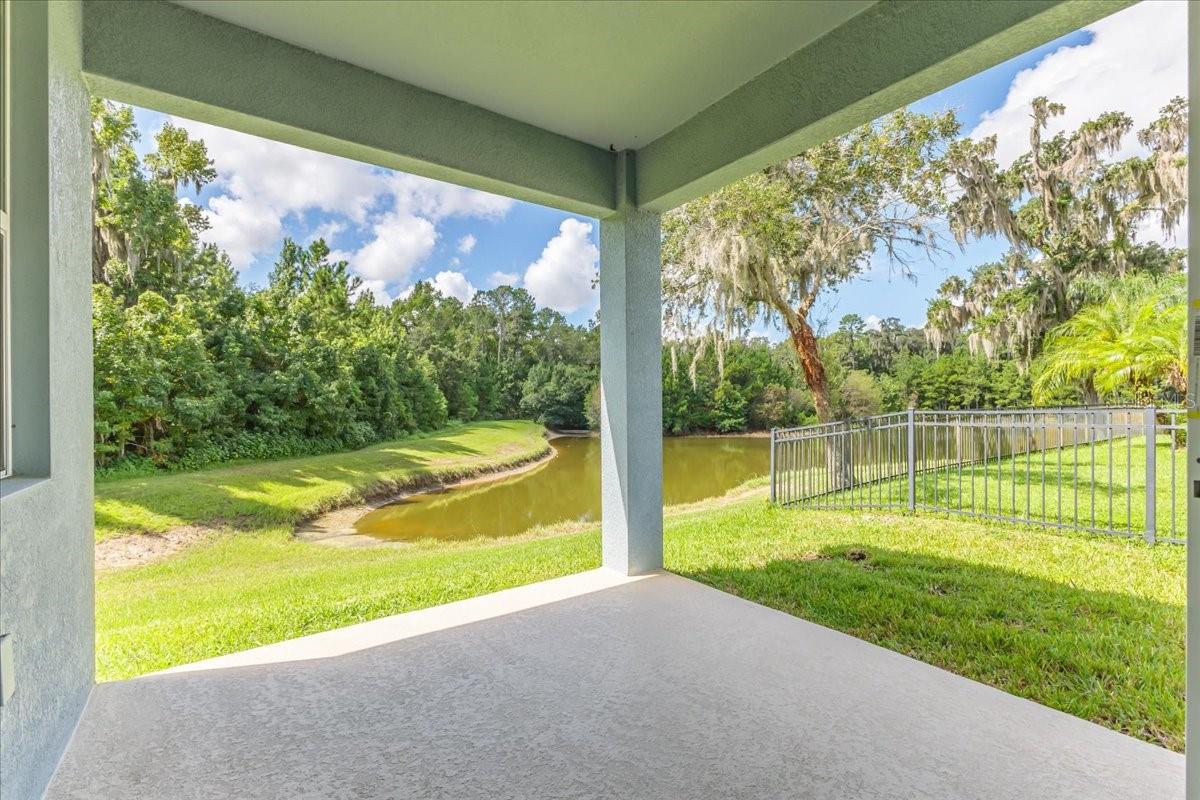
336,528
568,489
203,511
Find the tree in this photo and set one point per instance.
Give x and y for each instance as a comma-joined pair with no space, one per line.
860,395
554,395
143,237
505,320
157,391
729,408
192,367
767,246
591,409
1072,219
1132,345
776,406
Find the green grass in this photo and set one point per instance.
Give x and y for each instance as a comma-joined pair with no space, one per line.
257,495
1091,625
248,589
1091,485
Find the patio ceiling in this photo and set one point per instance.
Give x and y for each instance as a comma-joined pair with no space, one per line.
525,99
620,74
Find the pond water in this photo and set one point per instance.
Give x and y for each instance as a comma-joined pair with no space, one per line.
565,488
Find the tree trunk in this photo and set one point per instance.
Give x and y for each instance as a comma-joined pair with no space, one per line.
100,255
805,342
839,457
1088,392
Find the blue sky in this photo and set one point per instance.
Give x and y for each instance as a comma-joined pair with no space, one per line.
396,229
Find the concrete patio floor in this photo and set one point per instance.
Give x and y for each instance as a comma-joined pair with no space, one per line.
590,686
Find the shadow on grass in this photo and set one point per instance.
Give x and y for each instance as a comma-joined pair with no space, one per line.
1113,658
251,494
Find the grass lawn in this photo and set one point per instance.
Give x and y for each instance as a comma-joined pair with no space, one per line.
1090,625
259,495
247,589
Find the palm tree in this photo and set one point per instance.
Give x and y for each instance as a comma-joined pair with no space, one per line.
1131,345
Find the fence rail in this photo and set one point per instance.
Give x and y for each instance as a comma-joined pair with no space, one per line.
1115,470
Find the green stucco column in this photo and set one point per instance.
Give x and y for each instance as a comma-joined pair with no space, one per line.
631,382
1192,727
46,544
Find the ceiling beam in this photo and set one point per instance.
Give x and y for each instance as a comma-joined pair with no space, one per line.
891,54
170,59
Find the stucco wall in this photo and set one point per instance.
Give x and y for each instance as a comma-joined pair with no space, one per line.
46,582
1192,731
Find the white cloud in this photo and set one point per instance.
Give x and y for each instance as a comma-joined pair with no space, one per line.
262,183
286,177
562,277
1136,62
327,230
454,284
1149,229
466,244
400,242
437,200
873,323
242,228
504,279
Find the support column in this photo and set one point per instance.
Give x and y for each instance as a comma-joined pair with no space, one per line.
47,590
631,382
1192,718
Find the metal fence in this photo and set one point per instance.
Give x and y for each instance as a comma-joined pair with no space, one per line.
1106,470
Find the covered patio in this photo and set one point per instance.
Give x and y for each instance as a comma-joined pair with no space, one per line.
622,682
591,686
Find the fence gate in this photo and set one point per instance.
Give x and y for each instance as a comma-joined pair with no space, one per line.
1116,470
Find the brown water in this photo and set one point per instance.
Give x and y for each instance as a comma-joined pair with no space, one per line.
565,488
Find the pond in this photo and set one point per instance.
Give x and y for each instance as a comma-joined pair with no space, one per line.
564,488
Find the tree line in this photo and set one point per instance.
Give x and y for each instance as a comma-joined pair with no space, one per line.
769,247
191,367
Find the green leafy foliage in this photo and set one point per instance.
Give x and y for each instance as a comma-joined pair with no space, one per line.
192,368
767,247
1129,347
554,395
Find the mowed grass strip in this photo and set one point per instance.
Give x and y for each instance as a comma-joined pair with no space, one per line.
1090,625
266,494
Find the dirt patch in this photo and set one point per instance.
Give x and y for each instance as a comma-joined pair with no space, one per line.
336,527
135,549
